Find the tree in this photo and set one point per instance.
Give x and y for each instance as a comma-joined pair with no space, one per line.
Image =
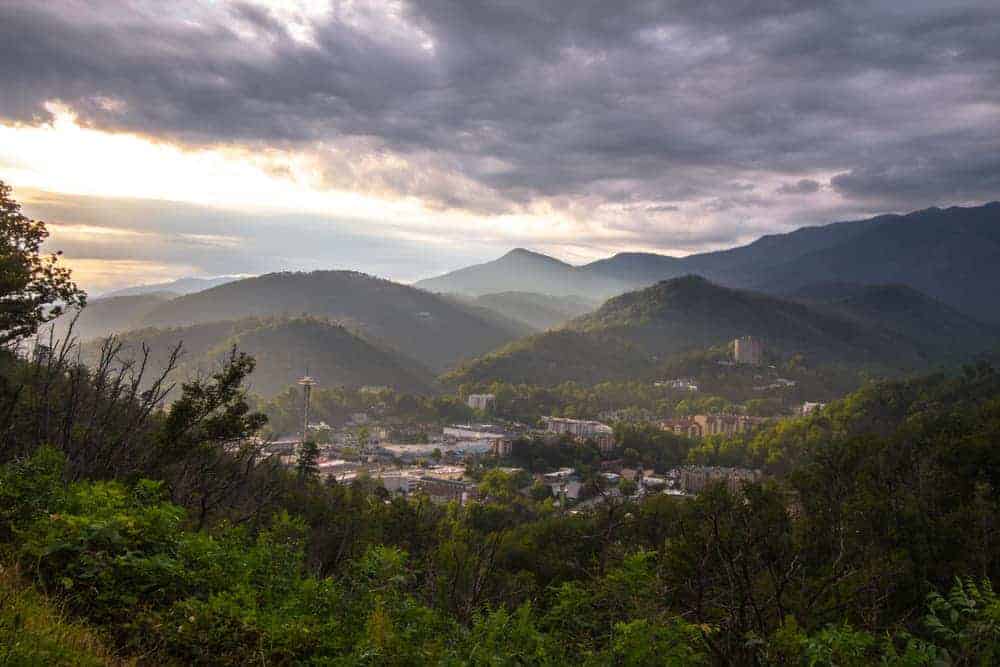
34,289
307,465
207,450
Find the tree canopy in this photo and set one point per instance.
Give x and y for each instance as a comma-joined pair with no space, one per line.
34,287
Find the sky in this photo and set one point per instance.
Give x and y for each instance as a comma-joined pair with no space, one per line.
405,139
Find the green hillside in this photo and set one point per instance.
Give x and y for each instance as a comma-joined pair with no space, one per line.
690,312
633,334
284,348
33,630
437,331
558,356
941,331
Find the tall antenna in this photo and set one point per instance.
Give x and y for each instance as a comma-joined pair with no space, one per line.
307,384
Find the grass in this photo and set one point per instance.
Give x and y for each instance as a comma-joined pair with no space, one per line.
34,631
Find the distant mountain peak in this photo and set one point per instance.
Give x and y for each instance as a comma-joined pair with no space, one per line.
525,254
521,251
523,270
950,254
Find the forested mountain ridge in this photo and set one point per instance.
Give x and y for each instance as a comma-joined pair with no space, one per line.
632,333
557,356
522,270
284,349
690,311
941,331
433,330
950,254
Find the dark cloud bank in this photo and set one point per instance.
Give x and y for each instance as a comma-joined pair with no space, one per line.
662,107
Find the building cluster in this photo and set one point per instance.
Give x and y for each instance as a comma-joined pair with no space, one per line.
441,483
630,415
499,441
582,430
564,484
432,460
700,426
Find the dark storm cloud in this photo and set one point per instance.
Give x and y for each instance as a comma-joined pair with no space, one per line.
494,105
956,168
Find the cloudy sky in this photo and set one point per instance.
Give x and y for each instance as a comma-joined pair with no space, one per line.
408,138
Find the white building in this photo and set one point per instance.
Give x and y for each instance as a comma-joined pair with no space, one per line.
679,384
482,402
582,429
480,436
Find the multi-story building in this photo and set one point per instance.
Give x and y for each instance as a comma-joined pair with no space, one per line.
694,479
500,442
582,429
700,426
748,350
684,426
482,402
502,447
445,490
397,483
472,432
727,424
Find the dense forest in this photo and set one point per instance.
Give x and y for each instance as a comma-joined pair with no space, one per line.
136,530
643,333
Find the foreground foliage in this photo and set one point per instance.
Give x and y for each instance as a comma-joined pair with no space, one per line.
33,631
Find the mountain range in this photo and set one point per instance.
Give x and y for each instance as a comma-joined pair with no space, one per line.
952,255
522,270
894,292
631,334
940,331
283,347
437,331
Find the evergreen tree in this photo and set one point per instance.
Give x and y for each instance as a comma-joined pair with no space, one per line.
307,465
